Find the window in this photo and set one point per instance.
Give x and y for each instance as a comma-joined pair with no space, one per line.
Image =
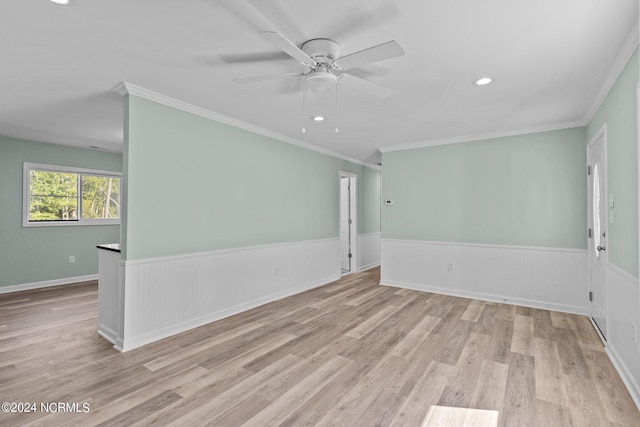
58,195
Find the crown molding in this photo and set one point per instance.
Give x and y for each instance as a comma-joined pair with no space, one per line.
470,138
625,53
122,89
126,88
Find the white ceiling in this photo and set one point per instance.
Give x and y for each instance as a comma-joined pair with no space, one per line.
551,60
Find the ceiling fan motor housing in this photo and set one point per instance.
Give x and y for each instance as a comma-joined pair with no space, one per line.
324,52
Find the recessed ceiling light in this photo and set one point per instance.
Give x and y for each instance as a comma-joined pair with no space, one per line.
483,81
317,118
67,3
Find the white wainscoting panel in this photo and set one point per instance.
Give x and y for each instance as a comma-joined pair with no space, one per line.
549,278
169,295
623,311
109,309
367,250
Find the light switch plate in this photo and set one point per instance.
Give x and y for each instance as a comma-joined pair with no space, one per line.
610,200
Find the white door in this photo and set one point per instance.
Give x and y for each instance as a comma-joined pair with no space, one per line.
345,223
597,219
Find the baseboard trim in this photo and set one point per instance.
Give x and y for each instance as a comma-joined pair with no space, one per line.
369,266
595,327
489,297
625,375
135,342
48,283
108,334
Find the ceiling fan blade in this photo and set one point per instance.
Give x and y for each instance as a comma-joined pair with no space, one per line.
279,18
368,86
289,48
267,77
291,86
373,54
253,57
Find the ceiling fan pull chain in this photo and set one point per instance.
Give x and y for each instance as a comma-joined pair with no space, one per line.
336,109
304,95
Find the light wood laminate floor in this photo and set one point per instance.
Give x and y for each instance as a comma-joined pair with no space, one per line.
351,353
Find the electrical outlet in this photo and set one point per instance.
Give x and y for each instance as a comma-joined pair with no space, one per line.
72,259
635,332
451,266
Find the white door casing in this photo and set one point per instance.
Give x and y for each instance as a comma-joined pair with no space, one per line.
597,217
348,223
345,244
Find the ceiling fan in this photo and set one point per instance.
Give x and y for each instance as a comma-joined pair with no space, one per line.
323,65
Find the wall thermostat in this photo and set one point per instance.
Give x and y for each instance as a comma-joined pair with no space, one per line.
388,202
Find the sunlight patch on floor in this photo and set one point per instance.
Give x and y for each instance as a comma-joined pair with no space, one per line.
446,416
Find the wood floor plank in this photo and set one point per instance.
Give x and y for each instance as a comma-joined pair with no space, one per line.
410,343
372,322
439,416
519,407
172,358
584,402
522,341
300,393
553,415
491,385
352,352
583,330
473,311
561,320
501,338
548,372
142,410
139,396
201,413
460,388
617,404
386,375
571,356
365,297
425,394
456,341
542,325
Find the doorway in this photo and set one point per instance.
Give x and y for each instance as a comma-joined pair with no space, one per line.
597,217
347,222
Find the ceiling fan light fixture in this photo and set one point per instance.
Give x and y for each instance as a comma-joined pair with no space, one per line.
321,82
65,3
483,81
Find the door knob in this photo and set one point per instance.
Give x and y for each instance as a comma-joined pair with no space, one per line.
601,248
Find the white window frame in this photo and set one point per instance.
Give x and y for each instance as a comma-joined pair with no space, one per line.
26,195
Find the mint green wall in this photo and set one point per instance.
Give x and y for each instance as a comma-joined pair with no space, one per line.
195,185
619,112
369,215
36,254
527,190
